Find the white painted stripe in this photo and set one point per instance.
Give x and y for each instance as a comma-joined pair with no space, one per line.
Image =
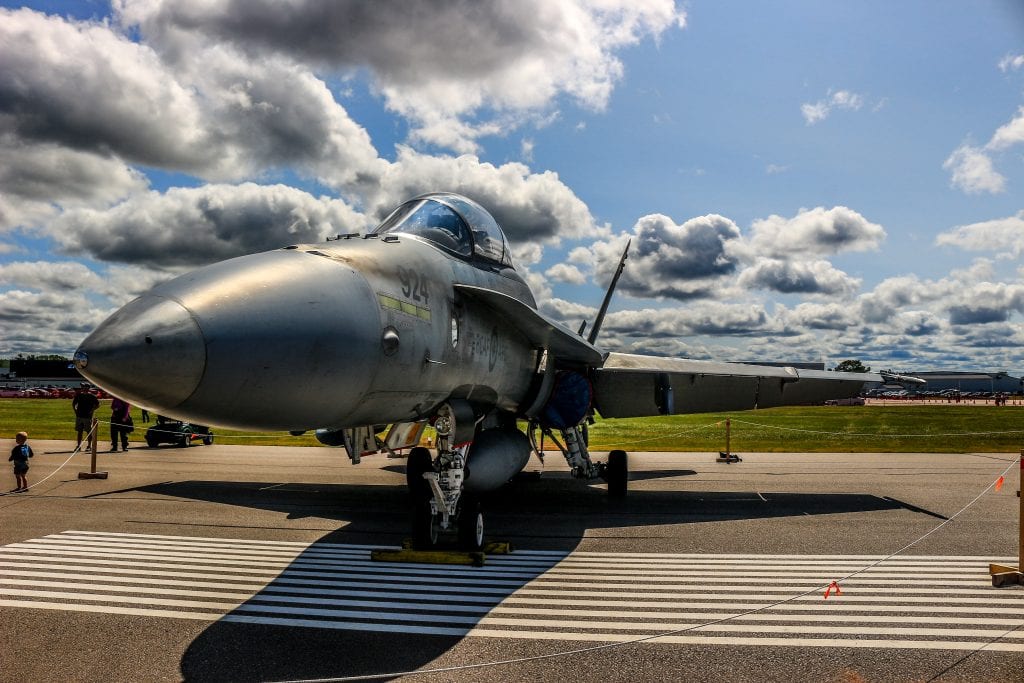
699,617
734,641
753,581
111,609
999,599
321,588
297,544
138,559
199,553
286,576
784,607
799,558
101,597
429,599
696,627
848,589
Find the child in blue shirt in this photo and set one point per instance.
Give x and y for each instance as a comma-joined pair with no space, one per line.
19,456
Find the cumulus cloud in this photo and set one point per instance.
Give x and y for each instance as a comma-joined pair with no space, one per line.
188,226
840,99
215,114
830,316
45,321
458,70
670,260
695,319
979,303
35,179
1011,63
799,277
973,172
1009,134
1004,236
563,272
973,169
817,231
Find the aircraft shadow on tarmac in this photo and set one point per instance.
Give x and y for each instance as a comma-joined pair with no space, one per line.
550,513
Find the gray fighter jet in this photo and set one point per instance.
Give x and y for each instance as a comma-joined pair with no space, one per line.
424,320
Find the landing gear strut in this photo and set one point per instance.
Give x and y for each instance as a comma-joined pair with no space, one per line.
436,489
615,471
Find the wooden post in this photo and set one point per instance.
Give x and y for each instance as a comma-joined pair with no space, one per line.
727,456
1003,575
94,436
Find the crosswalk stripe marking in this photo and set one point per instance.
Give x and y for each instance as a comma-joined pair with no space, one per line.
532,588
907,602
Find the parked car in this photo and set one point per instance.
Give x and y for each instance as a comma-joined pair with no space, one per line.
181,434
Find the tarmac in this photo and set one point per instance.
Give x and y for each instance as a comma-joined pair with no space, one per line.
248,563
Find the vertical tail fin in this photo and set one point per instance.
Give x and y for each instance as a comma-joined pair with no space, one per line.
608,296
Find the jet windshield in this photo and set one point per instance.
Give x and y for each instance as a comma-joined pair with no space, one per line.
452,222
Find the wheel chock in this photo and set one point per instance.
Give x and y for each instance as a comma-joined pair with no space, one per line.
474,559
491,548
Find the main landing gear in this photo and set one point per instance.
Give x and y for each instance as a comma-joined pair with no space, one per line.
574,448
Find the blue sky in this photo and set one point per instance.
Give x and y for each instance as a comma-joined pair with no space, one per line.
802,181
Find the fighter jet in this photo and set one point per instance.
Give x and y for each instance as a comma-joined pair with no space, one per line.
423,320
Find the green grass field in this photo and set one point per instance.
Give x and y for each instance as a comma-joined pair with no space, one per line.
929,429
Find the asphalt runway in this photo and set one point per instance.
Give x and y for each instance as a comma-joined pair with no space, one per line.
247,563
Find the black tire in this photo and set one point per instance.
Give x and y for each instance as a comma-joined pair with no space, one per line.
424,525
152,443
186,440
419,462
617,474
471,524
208,440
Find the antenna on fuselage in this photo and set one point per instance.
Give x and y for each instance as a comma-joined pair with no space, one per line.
599,320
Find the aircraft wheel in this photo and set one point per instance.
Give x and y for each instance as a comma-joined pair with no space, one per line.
424,525
186,441
419,462
617,474
471,524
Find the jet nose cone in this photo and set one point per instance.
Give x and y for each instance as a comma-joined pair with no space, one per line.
150,353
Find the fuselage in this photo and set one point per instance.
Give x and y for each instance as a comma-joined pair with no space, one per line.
355,331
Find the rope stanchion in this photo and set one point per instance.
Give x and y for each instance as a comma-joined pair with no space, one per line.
93,438
1003,575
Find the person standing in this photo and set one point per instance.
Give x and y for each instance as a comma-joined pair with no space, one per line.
19,456
84,404
120,423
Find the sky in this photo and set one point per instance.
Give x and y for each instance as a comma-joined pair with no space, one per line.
802,181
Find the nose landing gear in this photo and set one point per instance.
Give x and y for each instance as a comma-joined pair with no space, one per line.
435,486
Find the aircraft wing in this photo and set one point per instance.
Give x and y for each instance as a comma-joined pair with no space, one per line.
542,331
629,385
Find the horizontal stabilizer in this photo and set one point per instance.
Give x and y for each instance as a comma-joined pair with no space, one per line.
637,386
543,332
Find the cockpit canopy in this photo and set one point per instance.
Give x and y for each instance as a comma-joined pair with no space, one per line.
452,222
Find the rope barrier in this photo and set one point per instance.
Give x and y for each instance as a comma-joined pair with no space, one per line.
886,436
665,634
677,434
